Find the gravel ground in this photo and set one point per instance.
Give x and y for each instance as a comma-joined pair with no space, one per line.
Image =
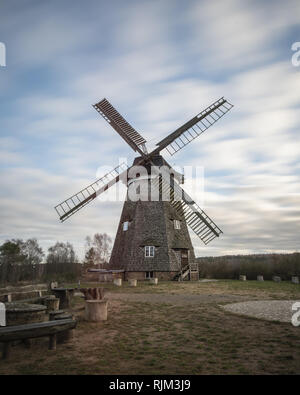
271,310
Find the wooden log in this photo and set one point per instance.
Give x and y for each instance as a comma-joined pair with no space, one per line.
96,310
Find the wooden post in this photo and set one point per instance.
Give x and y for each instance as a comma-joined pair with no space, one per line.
52,304
132,282
52,342
277,279
64,295
96,310
118,282
53,284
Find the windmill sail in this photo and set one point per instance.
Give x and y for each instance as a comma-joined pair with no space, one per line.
74,203
125,130
204,227
194,127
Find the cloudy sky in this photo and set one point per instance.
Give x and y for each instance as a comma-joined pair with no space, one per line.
159,62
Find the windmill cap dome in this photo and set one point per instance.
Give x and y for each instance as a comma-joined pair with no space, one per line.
159,161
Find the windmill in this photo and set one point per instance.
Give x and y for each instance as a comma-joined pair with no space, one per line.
152,237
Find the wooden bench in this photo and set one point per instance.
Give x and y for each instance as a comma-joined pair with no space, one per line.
30,331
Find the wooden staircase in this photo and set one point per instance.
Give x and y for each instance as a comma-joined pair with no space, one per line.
188,272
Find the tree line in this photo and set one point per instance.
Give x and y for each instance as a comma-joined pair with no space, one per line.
25,260
268,265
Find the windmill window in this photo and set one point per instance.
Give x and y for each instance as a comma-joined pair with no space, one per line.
176,224
125,226
149,251
149,275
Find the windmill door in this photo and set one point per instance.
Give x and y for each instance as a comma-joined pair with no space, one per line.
184,258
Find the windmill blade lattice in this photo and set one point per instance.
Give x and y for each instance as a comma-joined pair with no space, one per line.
125,130
204,227
74,203
194,127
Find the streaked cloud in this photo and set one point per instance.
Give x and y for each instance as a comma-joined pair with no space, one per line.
159,63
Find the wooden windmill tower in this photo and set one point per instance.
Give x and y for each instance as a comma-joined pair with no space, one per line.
152,237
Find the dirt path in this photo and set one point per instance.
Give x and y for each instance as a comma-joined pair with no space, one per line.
178,299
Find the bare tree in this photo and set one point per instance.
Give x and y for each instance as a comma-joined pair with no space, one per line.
62,262
32,251
10,252
19,260
90,257
98,249
61,253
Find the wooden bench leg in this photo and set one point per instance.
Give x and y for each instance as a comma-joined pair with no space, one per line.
6,350
52,342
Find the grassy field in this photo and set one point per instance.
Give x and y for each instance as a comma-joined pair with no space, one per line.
264,289
160,338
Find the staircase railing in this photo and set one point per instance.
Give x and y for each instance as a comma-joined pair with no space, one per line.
186,270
